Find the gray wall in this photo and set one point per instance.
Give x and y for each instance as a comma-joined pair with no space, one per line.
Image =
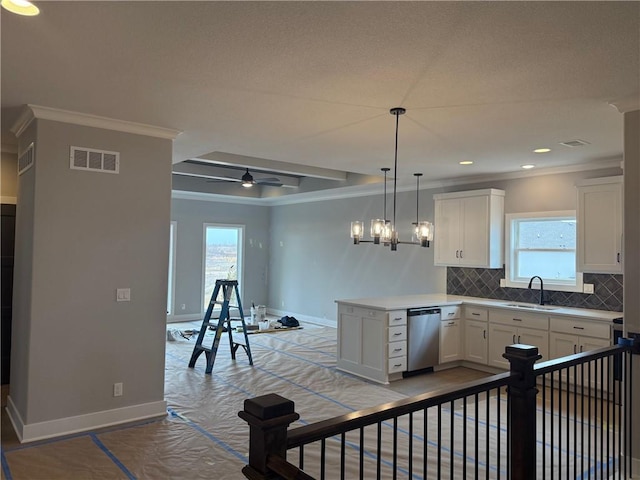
190,215
313,262
81,235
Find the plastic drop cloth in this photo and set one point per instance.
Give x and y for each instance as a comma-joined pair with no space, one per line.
202,436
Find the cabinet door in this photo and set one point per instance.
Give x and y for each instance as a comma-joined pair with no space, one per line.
600,228
447,231
450,341
598,372
474,243
537,338
499,337
562,345
476,341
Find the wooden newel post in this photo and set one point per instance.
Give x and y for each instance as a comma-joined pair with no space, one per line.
268,417
522,418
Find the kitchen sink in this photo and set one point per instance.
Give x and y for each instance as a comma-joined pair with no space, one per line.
529,307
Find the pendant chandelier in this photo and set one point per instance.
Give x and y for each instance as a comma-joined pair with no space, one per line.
384,231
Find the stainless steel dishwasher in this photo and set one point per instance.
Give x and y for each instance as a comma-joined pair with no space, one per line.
423,338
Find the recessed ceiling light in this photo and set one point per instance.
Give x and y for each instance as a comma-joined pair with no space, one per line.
466,162
528,166
20,7
542,150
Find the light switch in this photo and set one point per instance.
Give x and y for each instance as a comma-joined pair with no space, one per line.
123,294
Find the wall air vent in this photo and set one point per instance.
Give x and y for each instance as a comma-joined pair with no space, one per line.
25,161
575,143
94,160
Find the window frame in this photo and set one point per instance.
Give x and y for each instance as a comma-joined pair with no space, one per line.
549,284
240,264
171,284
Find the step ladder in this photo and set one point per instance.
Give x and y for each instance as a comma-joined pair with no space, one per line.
224,320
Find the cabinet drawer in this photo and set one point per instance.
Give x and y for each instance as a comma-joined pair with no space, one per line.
397,333
450,312
475,313
398,349
362,312
519,319
398,317
397,364
576,326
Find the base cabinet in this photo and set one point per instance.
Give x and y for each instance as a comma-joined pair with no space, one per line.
372,343
573,335
476,339
450,341
505,329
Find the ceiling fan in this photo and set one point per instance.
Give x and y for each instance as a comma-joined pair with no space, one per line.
248,181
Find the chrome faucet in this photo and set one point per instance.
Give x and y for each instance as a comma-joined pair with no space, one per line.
541,288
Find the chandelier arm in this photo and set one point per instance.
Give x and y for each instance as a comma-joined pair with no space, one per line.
395,169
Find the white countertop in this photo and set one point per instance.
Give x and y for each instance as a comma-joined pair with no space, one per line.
403,302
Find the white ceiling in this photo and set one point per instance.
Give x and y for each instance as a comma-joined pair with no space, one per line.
311,83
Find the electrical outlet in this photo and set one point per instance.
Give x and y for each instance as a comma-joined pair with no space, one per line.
587,288
183,307
503,282
123,294
117,389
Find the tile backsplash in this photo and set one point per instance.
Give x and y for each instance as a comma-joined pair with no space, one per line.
485,283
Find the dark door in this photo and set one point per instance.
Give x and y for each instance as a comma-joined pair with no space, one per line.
8,229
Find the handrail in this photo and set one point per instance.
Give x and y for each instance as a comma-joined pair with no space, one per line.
286,470
577,359
303,435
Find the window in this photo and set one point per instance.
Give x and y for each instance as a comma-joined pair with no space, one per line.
542,244
222,257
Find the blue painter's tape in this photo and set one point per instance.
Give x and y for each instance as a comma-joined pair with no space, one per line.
113,458
5,466
625,342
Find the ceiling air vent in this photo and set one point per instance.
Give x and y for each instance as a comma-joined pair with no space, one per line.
574,143
25,161
94,160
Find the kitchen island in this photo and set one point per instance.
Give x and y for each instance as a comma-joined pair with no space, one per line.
373,332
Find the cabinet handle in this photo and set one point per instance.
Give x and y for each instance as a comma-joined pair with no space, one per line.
517,319
397,349
475,314
397,334
618,257
397,319
484,334
578,328
451,313
460,253
518,338
397,365
514,339
451,323
457,253
574,349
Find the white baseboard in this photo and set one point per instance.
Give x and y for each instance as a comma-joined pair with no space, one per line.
303,318
188,317
81,423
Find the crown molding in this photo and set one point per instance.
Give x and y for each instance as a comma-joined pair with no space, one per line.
31,112
627,104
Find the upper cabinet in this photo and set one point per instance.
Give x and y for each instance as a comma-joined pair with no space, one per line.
469,228
600,225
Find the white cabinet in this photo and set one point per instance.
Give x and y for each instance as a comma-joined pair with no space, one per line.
469,228
476,334
506,327
599,218
571,335
372,343
450,341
